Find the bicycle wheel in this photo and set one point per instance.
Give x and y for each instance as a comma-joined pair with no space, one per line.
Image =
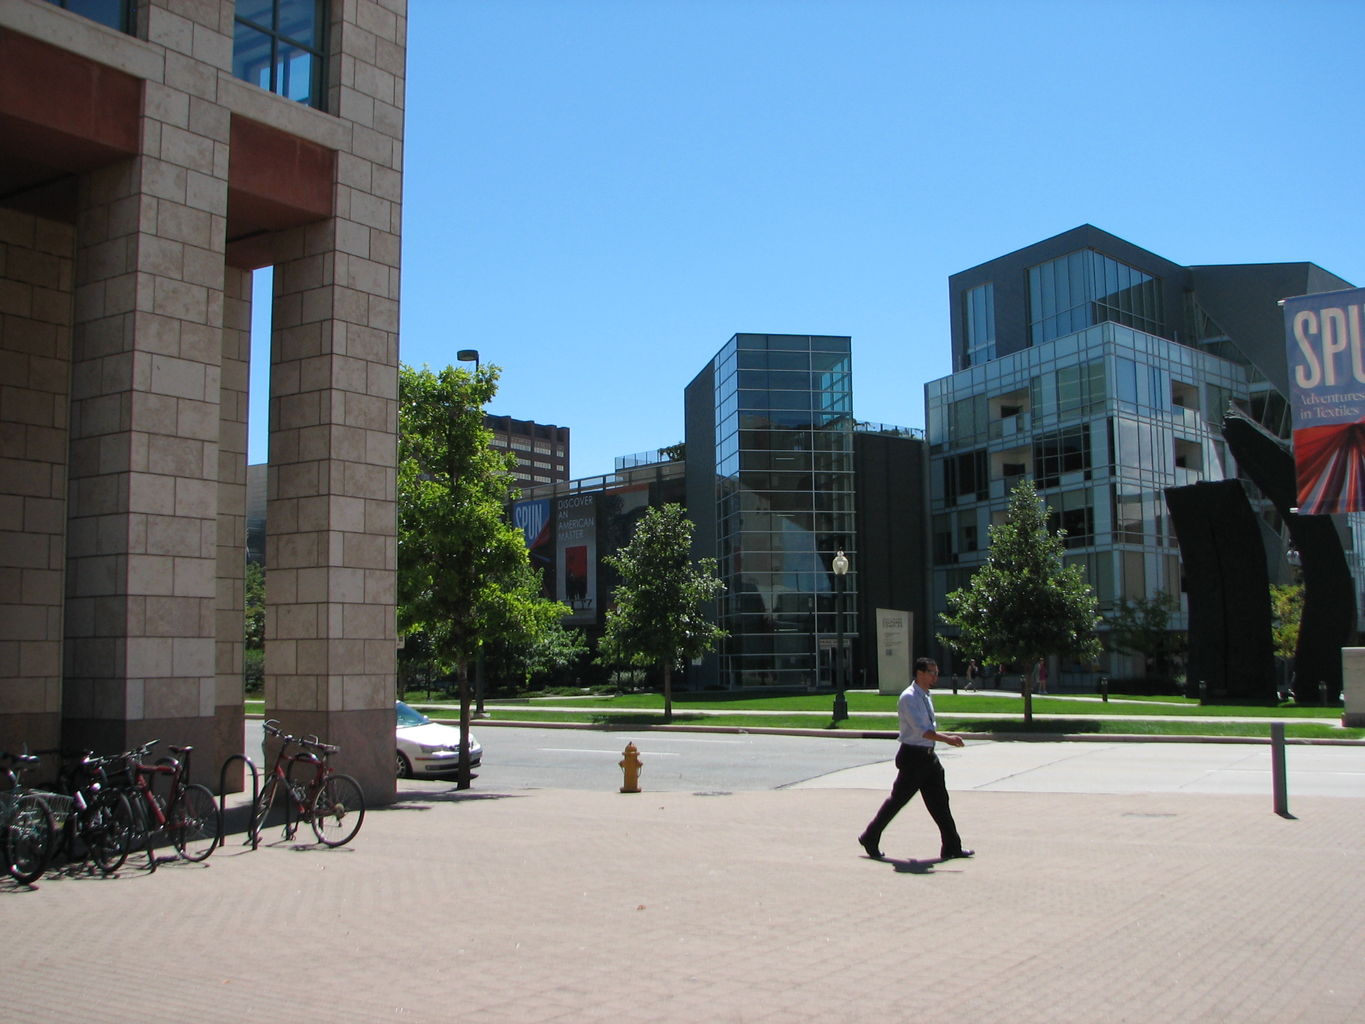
272,792
107,829
196,826
28,838
141,824
338,810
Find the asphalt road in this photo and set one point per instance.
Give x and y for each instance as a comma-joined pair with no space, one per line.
588,760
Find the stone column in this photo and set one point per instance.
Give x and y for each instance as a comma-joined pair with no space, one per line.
331,552
35,370
143,533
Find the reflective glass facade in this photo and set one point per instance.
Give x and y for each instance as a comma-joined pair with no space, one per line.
979,316
1103,420
1086,288
280,46
784,505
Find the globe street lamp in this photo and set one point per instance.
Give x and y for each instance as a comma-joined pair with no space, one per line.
840,567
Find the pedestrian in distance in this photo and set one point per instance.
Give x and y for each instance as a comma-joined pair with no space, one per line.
973,674
1042,676
918,769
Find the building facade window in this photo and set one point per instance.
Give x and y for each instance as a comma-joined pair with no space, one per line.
120,15
1085,288
280,45
979,317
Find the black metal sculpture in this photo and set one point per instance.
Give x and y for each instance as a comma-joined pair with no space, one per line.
1230,651
1329,603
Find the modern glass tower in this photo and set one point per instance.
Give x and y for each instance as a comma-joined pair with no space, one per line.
1103,372
770,489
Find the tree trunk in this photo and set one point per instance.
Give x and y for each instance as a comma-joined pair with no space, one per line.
463,779
668,693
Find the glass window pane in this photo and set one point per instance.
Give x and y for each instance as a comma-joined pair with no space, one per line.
260,11
299,21
251,55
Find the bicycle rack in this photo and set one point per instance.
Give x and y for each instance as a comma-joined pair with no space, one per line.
252,836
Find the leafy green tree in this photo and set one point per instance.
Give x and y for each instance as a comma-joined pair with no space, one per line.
253,637
1286,609
1144,627
464,576
1025,603
535,641
658,617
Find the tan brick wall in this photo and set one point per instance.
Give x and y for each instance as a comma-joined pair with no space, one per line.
35,370
129,623
332,549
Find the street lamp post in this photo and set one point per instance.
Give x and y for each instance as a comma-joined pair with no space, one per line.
840,567
471,355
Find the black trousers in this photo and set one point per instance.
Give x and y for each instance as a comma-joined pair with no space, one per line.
918,770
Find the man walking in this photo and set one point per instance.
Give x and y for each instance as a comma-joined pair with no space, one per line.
918,769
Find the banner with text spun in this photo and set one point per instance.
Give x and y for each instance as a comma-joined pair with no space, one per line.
1326,347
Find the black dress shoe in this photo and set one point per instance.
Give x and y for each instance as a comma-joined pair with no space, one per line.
870,847
954,855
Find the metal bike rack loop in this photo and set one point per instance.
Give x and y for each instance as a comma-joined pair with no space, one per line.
252,836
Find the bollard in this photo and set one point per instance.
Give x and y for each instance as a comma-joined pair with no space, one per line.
1203,692
630,765
1277,769
1104,689
954,684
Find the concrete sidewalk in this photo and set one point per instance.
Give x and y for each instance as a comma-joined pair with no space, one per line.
557,905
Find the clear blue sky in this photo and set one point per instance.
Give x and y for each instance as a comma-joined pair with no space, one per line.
599,193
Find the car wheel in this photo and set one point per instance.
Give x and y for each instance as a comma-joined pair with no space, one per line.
404,768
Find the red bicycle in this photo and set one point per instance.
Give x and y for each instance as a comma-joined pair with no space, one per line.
307,788
188,814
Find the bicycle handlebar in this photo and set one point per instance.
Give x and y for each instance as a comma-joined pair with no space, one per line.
272,726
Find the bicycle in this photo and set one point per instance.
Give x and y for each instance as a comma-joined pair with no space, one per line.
98,822
331,801
188,814
27,827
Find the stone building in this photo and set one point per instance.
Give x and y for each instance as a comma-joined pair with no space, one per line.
152,155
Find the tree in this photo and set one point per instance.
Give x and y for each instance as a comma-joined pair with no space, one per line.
1143,627
658,616
1286,609
1025,603
253,637
464,576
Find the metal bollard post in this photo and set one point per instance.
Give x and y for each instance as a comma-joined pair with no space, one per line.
1104,689
1277,769
955,684
1203,691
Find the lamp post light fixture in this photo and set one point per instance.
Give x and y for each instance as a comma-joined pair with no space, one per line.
840,567
468,355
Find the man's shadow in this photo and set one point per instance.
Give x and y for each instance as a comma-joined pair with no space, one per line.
910,866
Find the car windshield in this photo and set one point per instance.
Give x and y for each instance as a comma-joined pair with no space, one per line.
409,715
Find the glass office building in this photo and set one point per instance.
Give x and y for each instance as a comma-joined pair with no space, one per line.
1102,420
770,489
1103,372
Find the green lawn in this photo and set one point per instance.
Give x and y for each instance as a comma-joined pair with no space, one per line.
875,713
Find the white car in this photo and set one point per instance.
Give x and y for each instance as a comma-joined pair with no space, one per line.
427,748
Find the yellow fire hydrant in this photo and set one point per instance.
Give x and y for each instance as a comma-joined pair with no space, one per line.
630,765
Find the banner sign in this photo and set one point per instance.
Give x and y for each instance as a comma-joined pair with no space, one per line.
1326,347
576,557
